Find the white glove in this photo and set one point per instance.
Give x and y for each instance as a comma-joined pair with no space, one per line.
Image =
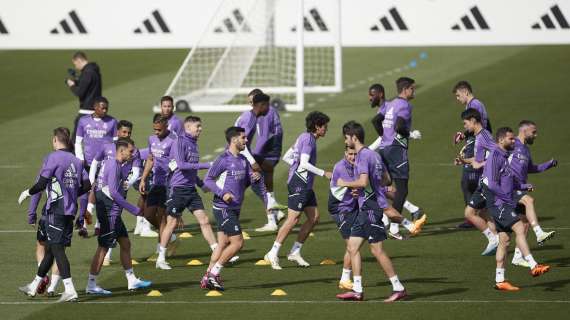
416,134
172,165
25,194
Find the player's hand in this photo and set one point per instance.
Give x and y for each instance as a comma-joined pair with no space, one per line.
255,176
142,187
256,167
458,137
416,135
340,182
23,196
70,83
328,175
228,197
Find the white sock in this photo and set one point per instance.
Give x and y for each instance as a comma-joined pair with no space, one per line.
270,200
213,246
157,248
489,234
296,247
90,207
537,230
275,248
357,285
97,225
68,284
53,282
385,220
91,281
35,283
518,253
84,224
345,274
410,206
108,255
272,218
407,224
499,275
161,254
394,228
130,275
396,284
216,269
531,261
139,219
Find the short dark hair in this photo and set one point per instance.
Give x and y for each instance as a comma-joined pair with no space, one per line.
502,132
378,87
63,135
125,123
471,113
166,98
260,97
254,92
314,119
158,118
79,55
124,143
98,100
525,123
233,132
192,119
353,129
404,83
462,85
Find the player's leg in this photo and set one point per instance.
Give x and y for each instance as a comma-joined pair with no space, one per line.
413,227
353,247
535,268
133,282
91,208
398,290
518,259
223,241
530,212
468,187
206,227
500,257
96,265
345,282
147,220
273,255
294,255
170,226
481,225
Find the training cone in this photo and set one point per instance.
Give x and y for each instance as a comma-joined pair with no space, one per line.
152,258
134,262
312,234
279,292
194,262
213,293
154,293
245,235
328,262
185,235
262,262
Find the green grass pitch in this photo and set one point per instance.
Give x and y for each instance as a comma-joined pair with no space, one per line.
441,269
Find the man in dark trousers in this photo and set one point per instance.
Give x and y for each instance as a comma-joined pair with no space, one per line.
87,87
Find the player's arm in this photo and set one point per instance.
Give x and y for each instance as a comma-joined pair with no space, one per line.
494,176
182,164
95,164
537,168
79,141
116,193
149,163
304,164
80,88
212,175
377,124
289,156
32,208
361,182
135,170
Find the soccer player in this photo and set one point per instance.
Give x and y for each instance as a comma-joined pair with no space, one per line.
156,165
474,211
182,189
371,202
175,124
377,99
300,184
470,177
502,185
343,207
111,200
65,179
93,131
397,129
228,192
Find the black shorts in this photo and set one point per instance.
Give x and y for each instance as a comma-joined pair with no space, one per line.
111,226
156,197
396,160
368,224
41,234
344,222
268,159
227,220
58,227
299,196
181,198
481,198
469,183
505,217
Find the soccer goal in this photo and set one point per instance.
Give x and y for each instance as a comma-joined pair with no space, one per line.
257,44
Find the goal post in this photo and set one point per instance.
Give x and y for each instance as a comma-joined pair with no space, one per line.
286,48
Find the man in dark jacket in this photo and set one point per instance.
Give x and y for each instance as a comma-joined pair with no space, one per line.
87,87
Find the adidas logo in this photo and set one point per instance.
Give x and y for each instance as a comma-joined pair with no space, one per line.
316,22
385,24
3,29
233,23
547,20
64,25
150,28
468,24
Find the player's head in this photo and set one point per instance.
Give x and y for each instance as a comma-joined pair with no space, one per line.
462,91
125,148
505,138
260,104
79,60
528,131
316,123
167,106
235,136
100,107
252,94
349,154
124,129
376,95
406,88
471,119
353,134
61,138
160,125
193,126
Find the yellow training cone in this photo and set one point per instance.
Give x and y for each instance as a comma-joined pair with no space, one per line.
279,292
185,235
262,263
153,257
213,293
154,293
245,235
328,262
134,262
194,262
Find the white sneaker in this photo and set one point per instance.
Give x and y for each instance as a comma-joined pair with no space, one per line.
27,290
138,228
268,227
491,248
139,284
520,261
545,236
280,215
234,259
148,233
106,262
274,260
162,265
97,291
396,236
296,257
68,297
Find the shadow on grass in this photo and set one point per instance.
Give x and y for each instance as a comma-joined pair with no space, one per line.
559,262
552,285
418,295
290,283
122,292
